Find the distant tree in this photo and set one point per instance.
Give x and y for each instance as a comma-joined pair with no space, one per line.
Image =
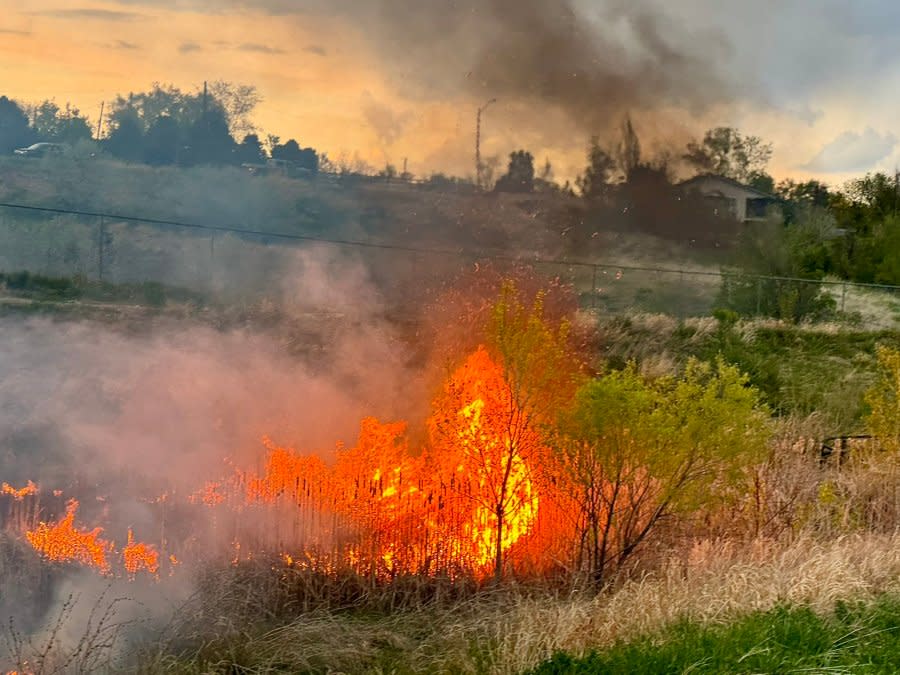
785,252
271,142
205,121
126,137
146,107
796,196
868,210
303,158
595,184
877,194
14,129
208,140
389,172
763,182
238,101
811,192
45,120
250,151
629,149
544,182
646,200
161,145
519,175
724,151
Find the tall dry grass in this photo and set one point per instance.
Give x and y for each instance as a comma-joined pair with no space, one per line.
507,632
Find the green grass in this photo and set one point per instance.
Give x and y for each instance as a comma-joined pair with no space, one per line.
39,288
858,638
799,370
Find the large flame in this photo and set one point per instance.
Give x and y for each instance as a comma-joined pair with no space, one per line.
471,501
63,542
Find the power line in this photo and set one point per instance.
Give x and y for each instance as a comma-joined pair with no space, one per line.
562,262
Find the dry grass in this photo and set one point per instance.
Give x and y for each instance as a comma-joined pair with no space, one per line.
508,632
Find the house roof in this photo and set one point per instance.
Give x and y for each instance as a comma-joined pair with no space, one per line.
759,194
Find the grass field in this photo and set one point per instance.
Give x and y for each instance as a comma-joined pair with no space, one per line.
856,637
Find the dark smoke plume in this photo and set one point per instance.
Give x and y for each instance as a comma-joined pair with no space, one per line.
594,65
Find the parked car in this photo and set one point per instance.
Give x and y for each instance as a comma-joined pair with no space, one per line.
40,150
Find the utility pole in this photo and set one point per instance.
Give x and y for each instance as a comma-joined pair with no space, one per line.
478,142
100,120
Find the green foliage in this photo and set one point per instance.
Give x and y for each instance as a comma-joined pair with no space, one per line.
868,209
725,151
883,399
797,370
637,450
795,252
59,126
855,638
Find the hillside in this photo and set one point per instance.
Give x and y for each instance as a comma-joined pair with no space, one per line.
458,226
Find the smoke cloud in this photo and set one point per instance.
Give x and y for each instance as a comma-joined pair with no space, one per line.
594,64
118,414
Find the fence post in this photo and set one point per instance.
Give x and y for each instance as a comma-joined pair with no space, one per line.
843,295
594,290
101,242
758,296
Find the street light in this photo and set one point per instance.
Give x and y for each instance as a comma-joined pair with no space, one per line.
478,142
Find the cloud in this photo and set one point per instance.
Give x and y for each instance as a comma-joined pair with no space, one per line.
852,151
13,31
89,13
189,47
316,49
258,48
122,44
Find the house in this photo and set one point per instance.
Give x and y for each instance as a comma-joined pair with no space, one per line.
729,197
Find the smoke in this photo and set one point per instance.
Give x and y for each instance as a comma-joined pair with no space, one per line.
117,414
388,124
593,63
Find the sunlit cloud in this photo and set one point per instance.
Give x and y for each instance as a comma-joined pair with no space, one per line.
852,151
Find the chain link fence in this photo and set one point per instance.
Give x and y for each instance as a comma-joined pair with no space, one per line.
244,264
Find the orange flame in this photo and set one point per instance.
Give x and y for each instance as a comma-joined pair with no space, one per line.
20,493
137,556
63,542
473,499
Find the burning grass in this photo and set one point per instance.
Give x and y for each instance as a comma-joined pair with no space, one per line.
478,541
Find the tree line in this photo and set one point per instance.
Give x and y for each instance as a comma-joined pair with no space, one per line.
162,127
811,230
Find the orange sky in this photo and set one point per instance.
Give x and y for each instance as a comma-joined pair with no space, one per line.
321,83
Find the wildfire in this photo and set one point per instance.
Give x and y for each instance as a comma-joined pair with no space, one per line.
63,542
137,556
471,501
20,493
